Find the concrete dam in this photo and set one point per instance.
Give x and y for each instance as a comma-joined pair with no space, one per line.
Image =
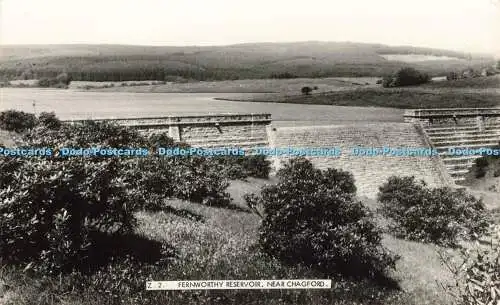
436,129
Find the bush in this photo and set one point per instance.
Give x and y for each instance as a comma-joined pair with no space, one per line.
241,167
439,215
63,78
487,164
477,275
49,208
199,181
406,77
341,238
306,90
151,179
52,206
18,121
49,120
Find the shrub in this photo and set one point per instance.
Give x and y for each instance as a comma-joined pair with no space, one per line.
487,164
19,121
150,179
86,134
496,173
49,120
49,208
45,82
63,78
150,182
315,220
477,275
406,77
240,167
439,215
306,90
199,181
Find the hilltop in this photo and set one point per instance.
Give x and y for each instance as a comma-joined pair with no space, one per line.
241,61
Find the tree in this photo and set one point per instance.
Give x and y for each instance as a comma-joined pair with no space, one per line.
63,78
306,90
406,77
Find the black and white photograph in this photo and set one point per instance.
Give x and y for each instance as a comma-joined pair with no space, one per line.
321,152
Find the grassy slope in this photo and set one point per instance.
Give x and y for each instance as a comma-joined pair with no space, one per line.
396,98
476,83
218,247
476,92
305,59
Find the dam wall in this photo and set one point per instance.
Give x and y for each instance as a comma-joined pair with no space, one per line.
223,130
438,129
370,172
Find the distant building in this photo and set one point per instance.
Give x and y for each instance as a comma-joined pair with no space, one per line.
439,78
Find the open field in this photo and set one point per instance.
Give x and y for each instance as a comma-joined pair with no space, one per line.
282,87
477,83
383,97
217,243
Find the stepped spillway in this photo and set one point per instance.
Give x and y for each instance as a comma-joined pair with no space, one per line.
463,128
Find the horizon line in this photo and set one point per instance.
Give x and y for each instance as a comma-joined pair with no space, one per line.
490,53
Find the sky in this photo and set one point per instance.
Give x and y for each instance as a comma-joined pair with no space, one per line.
464,25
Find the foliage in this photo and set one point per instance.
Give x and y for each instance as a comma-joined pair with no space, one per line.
51,205
49,120
151,179
437,215
19,121
61,80
481,166
406,77
341,238
197,180
241,167
306,90
477,275
485,165
49,208
86,134
284,75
